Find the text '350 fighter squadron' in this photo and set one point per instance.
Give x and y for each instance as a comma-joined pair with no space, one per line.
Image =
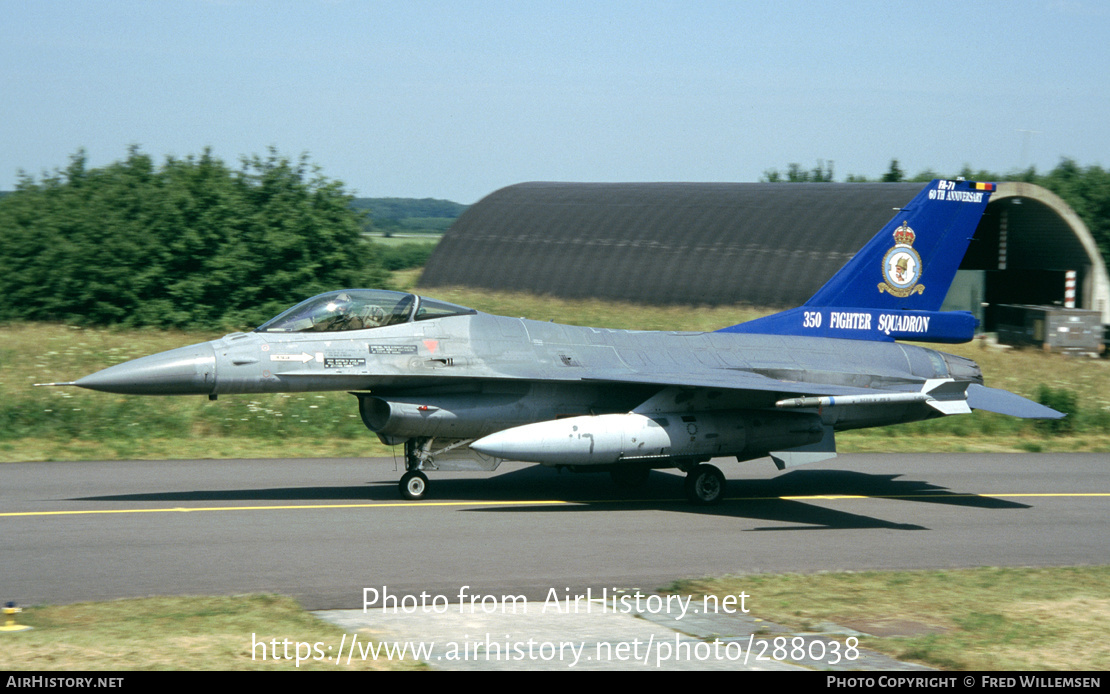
465,390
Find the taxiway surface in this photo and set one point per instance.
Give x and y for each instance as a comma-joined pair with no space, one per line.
323,530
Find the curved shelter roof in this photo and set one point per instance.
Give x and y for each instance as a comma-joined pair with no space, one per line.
766,244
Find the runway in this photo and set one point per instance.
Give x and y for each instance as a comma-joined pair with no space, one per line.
323,530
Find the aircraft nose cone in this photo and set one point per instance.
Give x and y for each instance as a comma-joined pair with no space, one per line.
183,371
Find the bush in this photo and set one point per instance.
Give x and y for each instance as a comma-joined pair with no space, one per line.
405,256
190,244
1061,400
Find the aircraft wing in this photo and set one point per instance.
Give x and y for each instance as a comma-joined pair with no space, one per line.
945,395
741,380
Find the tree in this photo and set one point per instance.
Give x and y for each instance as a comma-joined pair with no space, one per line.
894,174
822,173
192,243
1087,191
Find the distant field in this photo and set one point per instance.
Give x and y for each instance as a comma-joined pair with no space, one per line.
73,424
405,237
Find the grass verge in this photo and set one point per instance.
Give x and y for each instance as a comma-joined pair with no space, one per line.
177,633
973,619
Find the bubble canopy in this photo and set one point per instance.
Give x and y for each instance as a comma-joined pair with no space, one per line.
359,309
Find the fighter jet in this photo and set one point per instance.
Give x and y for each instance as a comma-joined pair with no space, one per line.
465,390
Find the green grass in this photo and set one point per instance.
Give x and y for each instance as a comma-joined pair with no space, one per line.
177,633
992,619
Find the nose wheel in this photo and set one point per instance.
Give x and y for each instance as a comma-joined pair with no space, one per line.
705,485
413,484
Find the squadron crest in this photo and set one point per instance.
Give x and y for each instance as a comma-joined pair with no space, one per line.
902,265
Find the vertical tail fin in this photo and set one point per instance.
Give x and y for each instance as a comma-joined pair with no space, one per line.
894,286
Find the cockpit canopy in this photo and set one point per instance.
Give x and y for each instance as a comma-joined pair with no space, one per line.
359,309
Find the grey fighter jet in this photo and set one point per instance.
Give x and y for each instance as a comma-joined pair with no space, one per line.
465,390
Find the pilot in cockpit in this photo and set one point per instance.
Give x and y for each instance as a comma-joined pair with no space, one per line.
339,316
344,313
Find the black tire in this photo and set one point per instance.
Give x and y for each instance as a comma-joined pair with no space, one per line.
413,484
705,485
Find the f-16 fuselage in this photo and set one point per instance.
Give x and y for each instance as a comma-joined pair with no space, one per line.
463,389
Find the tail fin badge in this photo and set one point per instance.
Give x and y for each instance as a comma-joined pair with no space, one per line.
902,265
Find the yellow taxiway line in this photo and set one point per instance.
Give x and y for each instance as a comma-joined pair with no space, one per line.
186,509
551,502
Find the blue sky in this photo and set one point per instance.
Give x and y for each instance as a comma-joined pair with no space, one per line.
457,99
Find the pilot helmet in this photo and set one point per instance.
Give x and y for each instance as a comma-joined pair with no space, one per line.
341,303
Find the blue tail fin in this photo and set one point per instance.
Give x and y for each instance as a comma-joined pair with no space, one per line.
893,288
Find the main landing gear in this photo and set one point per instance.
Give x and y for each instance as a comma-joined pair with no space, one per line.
705,485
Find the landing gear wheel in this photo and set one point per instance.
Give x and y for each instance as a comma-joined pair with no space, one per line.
705,485
413,484
630,476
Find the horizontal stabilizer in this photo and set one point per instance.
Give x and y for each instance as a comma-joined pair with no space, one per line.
1004,402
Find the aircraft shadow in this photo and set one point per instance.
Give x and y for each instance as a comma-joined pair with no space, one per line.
746,498
764,499
354,494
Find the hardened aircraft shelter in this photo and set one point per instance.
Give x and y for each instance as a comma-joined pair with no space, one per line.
763,244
